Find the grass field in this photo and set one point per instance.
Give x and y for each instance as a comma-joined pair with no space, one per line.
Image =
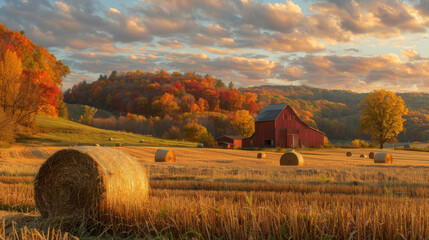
230,194
61,132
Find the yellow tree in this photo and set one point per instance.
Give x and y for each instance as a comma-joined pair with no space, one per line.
382,113
243,123
193,131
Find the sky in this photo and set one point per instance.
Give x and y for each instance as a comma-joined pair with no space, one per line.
357,45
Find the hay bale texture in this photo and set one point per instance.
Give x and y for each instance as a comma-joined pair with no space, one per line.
349,154
262,155
163,155
371,155
383,157
292,159
89,182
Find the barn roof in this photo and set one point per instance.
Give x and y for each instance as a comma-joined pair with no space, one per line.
270,113
233,137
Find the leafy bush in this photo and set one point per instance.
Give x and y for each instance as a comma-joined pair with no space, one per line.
207,139
173,133
359,143
192,132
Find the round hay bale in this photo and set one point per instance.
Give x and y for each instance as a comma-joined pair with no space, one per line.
163,155
363,156
111,139
118,144
371,155
141,141
89,181
349,154
292,159
383,157
262,155
97,145
200,145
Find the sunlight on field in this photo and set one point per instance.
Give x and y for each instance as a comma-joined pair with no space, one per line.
231,193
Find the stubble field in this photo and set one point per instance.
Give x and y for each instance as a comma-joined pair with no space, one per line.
230,194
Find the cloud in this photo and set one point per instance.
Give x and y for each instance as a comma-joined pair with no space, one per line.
238,40
171,44
384,71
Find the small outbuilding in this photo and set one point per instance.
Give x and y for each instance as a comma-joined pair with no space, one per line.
230,141
278,125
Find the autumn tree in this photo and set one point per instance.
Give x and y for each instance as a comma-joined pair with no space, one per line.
168,105
382,116
19,95
30,78
87,114
193,131
243,123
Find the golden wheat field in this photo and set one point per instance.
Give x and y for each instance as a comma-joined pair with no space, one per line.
231,194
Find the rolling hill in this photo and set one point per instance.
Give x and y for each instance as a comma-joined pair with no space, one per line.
61,132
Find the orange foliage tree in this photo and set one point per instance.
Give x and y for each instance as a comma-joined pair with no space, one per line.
30,78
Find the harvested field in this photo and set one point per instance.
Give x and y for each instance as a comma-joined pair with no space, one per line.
211,193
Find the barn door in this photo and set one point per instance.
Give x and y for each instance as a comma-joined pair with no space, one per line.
295,141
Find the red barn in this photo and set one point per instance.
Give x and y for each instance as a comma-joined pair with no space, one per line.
278,125
228,141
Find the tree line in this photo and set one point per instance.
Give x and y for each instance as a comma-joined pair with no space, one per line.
191,97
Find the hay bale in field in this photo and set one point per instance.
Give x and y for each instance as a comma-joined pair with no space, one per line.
89,181
141,141
118,144
292,159
371,155
363,156
349,154
111,139
200,145
262,155
163,155
97,145
383,157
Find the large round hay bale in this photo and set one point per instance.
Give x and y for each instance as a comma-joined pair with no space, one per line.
383,157
371,155
292,159
349,154
163,155
363,156
141,141
89,181
200,145
262,155
118,144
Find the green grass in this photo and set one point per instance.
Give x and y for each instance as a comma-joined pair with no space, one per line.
61,132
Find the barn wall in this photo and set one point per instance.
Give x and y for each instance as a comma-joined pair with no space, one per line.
293,133
238,143
263,131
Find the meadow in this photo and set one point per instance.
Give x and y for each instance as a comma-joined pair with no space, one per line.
230,194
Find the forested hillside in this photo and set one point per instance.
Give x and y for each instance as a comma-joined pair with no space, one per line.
160,101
